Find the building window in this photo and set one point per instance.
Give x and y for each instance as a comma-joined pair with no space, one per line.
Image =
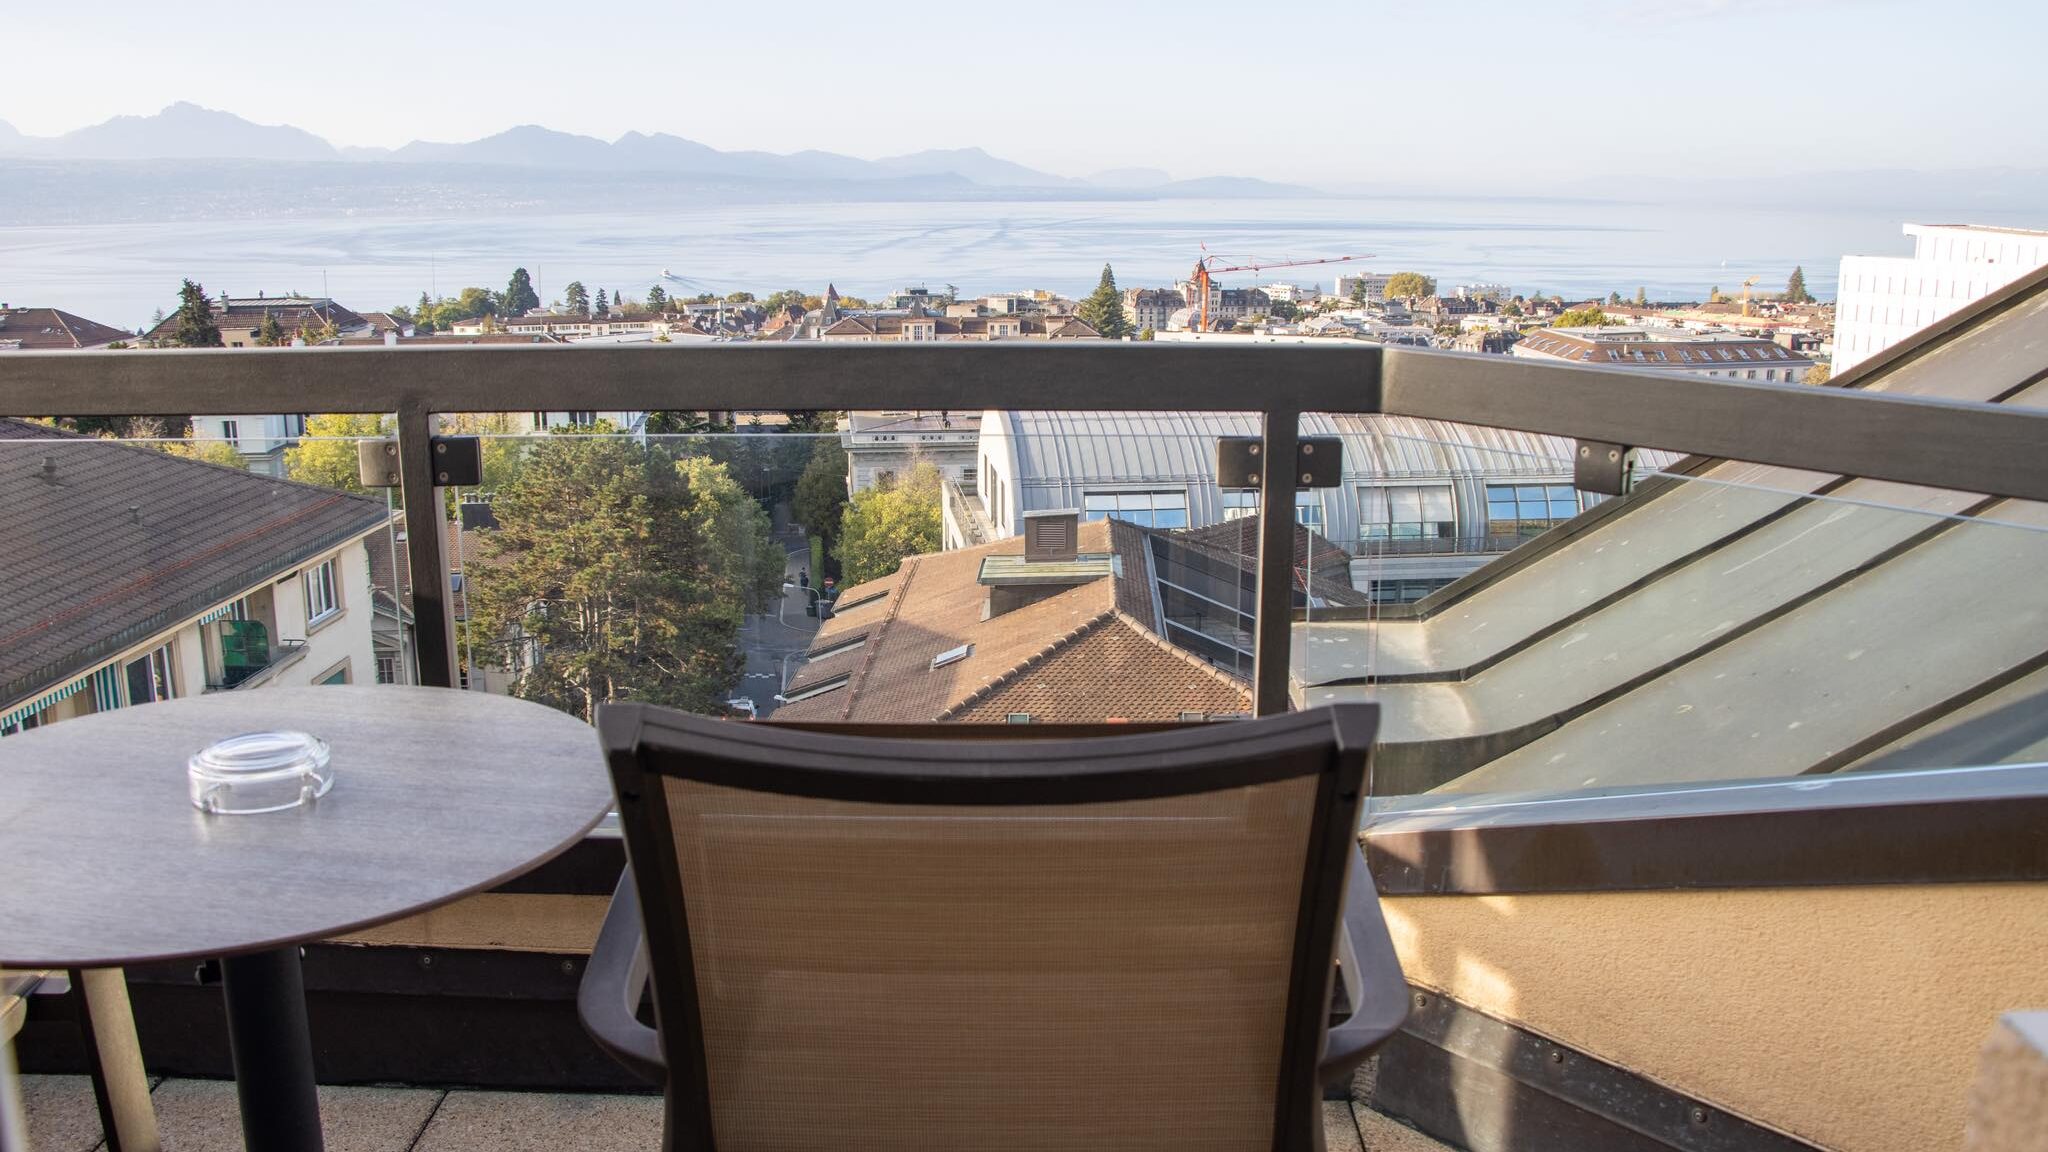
1528,509
1407,512
387,669
335,675
1403,591
1163,509
583,419
1241,502
149,677
231,431
323,591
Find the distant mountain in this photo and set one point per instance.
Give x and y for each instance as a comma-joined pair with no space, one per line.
182,132
187,132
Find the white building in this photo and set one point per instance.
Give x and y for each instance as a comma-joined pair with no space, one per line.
883,446
1728,355
1375,286
227,581
1280,290
1881,300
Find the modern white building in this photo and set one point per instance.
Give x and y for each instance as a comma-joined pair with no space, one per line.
882,446
1881,300
1375,286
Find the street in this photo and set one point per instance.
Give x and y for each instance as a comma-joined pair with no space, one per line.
775,640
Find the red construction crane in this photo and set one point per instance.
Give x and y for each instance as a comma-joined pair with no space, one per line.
1205,268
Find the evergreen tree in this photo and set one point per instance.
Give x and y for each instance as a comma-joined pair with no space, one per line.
196,328
1642,298
1714,295
657,299
1103,310
1614,297
603,307
1795,288
576,299
520,298
271,333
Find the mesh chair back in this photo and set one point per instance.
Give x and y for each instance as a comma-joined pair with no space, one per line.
922,958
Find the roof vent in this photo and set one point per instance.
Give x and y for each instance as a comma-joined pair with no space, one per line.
1053,536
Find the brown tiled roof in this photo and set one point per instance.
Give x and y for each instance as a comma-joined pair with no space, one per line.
1238,541
38,329
1051,653
121,542
239,317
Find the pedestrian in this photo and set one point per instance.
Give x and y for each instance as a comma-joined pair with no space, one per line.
803,577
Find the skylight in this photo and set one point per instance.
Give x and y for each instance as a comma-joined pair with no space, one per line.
952,654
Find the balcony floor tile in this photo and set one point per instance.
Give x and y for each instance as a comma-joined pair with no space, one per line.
203,1116
61,1114
543,1122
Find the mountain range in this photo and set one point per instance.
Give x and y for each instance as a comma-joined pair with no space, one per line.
188,132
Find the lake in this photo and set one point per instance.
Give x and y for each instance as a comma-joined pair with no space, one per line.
121,273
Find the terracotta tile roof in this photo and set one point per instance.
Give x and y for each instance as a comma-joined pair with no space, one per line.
1238,541
1072,655
36,329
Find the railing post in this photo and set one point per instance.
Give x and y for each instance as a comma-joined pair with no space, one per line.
1274,626
426,546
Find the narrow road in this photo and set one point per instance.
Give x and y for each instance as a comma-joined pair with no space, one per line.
773,639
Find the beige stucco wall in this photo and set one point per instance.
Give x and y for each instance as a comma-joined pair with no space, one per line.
1850,1017
2009,1103
344,636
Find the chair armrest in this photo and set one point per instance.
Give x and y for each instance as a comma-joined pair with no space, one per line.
1372,978
609,998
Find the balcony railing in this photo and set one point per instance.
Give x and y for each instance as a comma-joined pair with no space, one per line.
282,655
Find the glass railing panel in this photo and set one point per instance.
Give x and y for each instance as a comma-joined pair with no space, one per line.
154,559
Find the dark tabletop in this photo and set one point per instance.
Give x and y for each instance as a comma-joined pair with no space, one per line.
437,793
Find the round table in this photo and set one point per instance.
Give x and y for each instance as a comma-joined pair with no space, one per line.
437,794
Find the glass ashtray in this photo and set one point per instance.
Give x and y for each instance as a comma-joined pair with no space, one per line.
259,772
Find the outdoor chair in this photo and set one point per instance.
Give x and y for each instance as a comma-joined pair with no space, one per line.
1119,942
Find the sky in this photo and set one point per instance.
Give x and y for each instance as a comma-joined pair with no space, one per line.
1321,93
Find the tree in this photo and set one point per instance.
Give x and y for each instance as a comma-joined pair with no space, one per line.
1586,317
1402,285
783,299
1818,374
739,298
196,328
576,298
270,334
657,299
1714,295
622,573
1147,334
1285,309
820,497
520,298
884,524
470,304
603,306
1103,310
211,451
1614,298
1795,287
1642,298
326,454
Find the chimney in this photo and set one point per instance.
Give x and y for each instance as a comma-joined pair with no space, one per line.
391,337
1053,536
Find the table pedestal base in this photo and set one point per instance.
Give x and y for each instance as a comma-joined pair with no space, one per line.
272,1049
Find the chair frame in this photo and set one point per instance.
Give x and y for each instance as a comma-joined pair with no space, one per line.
938,770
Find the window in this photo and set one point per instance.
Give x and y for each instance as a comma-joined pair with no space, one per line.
1151,509
387,669
583,419
231,431
1528,509
149,677
951,655
1407,512
323,591
1241,502
818,689
1403,591
336,675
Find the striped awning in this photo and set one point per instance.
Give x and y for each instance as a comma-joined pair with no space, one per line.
224,612
25,710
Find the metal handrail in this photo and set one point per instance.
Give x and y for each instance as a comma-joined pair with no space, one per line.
1982,448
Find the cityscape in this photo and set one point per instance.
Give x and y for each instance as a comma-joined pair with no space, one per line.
1403,610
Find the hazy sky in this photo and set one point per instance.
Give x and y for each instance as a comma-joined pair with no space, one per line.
1324,92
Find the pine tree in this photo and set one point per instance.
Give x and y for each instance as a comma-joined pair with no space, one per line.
576,298
520,298
1614,297
271,334
1795,288
657,299
196,328
603,307
1103,310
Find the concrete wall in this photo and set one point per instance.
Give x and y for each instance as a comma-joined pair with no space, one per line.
1849,1017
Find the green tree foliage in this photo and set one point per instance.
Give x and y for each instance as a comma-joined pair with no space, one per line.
883,525
1795,287
1642,298
603,306
1714,295
271,333
1614,298
657,299
1818,374
1403,285
326,454
783,299
211,451
820,497
1285,310
1147,334
627,572
739,298
1103,310
1586,317
576,298
520,298
196,328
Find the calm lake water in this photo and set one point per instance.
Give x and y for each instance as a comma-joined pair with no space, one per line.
121,273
